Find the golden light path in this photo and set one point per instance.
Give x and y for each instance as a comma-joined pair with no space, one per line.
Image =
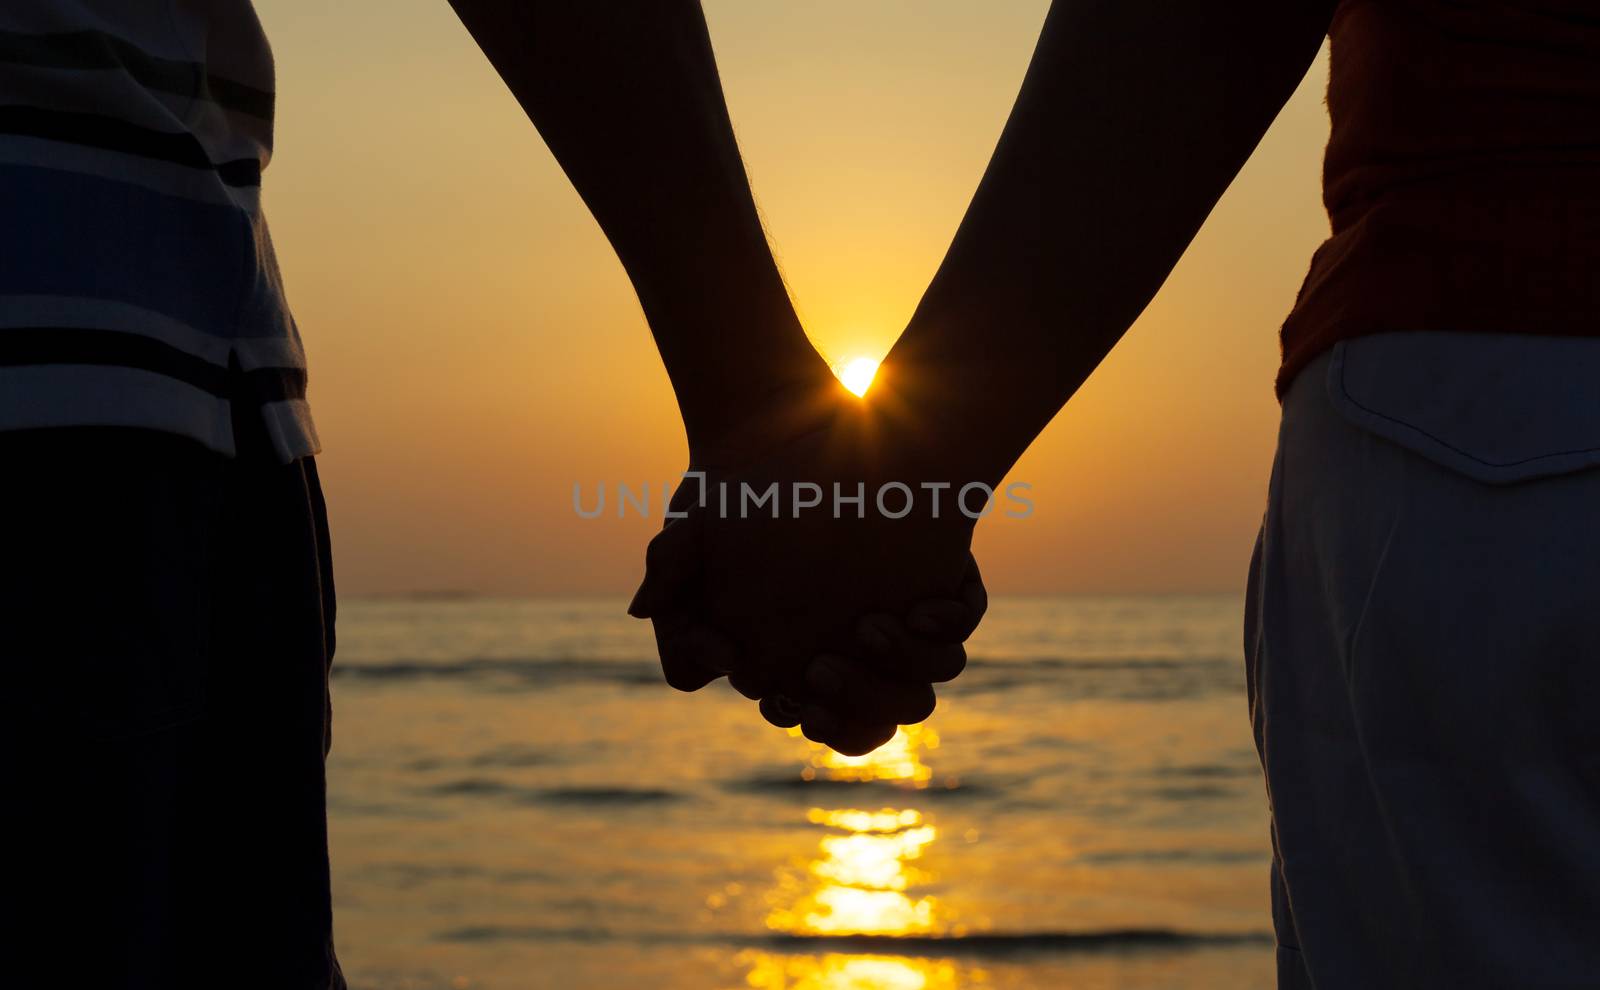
838,971
862,880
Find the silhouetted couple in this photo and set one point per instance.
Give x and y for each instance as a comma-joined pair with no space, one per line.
1421,631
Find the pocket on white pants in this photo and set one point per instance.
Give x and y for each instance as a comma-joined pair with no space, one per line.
1498,408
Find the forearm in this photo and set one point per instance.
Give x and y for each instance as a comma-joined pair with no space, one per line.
627,97
1132,120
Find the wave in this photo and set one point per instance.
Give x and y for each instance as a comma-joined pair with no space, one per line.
409,875
509,756
608,796
514,673
987,944
1127,679
1200,857
1250,770
1203,792
1017,943
1133,679
787,782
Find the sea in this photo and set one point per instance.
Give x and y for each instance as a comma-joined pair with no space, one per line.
517,800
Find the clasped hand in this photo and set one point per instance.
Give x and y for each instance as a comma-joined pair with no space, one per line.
837,616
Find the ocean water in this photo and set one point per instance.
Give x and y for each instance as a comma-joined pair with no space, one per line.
517,801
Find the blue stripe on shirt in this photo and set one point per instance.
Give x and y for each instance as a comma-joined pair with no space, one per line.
69,234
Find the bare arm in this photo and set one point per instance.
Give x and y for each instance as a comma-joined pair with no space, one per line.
1133,118
627,97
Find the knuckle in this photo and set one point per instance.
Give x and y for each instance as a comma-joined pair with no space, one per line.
947,663
681,678
920,708
748,684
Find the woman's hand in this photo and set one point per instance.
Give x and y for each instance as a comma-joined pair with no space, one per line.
837,614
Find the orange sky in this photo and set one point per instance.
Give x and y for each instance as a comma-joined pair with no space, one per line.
476,348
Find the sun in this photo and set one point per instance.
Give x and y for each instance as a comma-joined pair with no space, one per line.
856,374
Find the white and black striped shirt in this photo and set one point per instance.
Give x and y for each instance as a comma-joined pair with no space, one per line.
138,285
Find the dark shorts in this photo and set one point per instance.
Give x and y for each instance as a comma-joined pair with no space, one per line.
166,626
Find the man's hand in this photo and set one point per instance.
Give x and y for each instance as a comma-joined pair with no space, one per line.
852,705
837,616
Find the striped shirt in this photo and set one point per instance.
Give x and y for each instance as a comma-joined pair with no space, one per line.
138,285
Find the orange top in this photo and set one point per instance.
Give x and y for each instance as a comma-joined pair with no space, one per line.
1462,176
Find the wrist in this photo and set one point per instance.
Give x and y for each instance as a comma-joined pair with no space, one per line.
768,407
744,372
947,422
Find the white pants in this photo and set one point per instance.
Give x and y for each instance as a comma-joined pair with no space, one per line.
1422,638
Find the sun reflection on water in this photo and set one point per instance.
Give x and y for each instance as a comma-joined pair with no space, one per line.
872,860
863,879
839,971
899,759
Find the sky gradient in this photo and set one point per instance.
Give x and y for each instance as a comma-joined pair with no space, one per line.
476,348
